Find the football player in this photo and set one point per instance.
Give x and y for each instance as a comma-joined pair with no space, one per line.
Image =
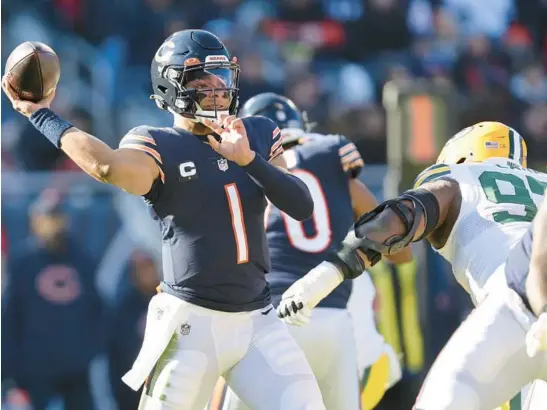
473,206
525,272
329,165
207,193
532,283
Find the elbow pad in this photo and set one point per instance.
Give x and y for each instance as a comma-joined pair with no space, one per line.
427,202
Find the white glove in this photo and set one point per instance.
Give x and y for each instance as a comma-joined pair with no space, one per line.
536,338
304,294
293,311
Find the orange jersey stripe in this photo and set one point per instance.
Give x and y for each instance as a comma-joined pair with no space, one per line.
150,140
144,148
347,148
276,153
354,164
351,157
276,145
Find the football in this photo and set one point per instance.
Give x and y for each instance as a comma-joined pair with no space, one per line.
33,70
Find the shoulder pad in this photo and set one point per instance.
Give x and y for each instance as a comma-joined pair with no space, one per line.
141,133
265,135
350,158
142,139
263,123
432,173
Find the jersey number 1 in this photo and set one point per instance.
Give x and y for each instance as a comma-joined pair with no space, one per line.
238,222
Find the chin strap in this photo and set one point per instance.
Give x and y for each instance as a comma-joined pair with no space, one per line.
210,115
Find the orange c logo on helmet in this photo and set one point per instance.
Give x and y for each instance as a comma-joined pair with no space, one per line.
191,61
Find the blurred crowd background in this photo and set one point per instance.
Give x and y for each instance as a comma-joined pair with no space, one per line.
80,261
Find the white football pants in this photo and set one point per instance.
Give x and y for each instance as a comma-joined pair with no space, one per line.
340,345
253,351
484,364
329,345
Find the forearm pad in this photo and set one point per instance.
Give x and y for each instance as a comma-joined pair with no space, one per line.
424,203
287,192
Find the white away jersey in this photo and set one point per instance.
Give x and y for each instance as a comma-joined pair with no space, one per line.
499,201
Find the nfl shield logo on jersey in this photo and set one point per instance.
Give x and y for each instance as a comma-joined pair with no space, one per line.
222,164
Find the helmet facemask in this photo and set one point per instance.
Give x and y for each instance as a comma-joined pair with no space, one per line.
204,90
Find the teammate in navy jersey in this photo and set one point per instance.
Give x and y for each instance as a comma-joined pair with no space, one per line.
329,165
206,180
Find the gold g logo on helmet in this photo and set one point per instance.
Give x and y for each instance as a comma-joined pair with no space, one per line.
482,141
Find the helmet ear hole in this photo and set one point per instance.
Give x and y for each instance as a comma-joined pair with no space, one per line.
162,89
461,161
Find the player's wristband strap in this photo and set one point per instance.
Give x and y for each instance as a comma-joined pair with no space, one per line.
50,125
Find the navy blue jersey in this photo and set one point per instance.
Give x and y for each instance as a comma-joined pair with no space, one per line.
325,163
211,216
518,264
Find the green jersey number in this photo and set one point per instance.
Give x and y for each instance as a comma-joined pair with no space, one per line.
489,182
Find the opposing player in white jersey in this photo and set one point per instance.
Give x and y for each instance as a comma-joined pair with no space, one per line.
531,283
473,206
329,165
536,285
526,273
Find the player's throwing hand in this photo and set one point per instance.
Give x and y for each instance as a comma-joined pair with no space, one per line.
234,144
27,108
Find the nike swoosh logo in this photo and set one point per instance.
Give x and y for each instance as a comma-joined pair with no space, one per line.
266,312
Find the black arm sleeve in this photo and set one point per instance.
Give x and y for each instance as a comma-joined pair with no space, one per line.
284,190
